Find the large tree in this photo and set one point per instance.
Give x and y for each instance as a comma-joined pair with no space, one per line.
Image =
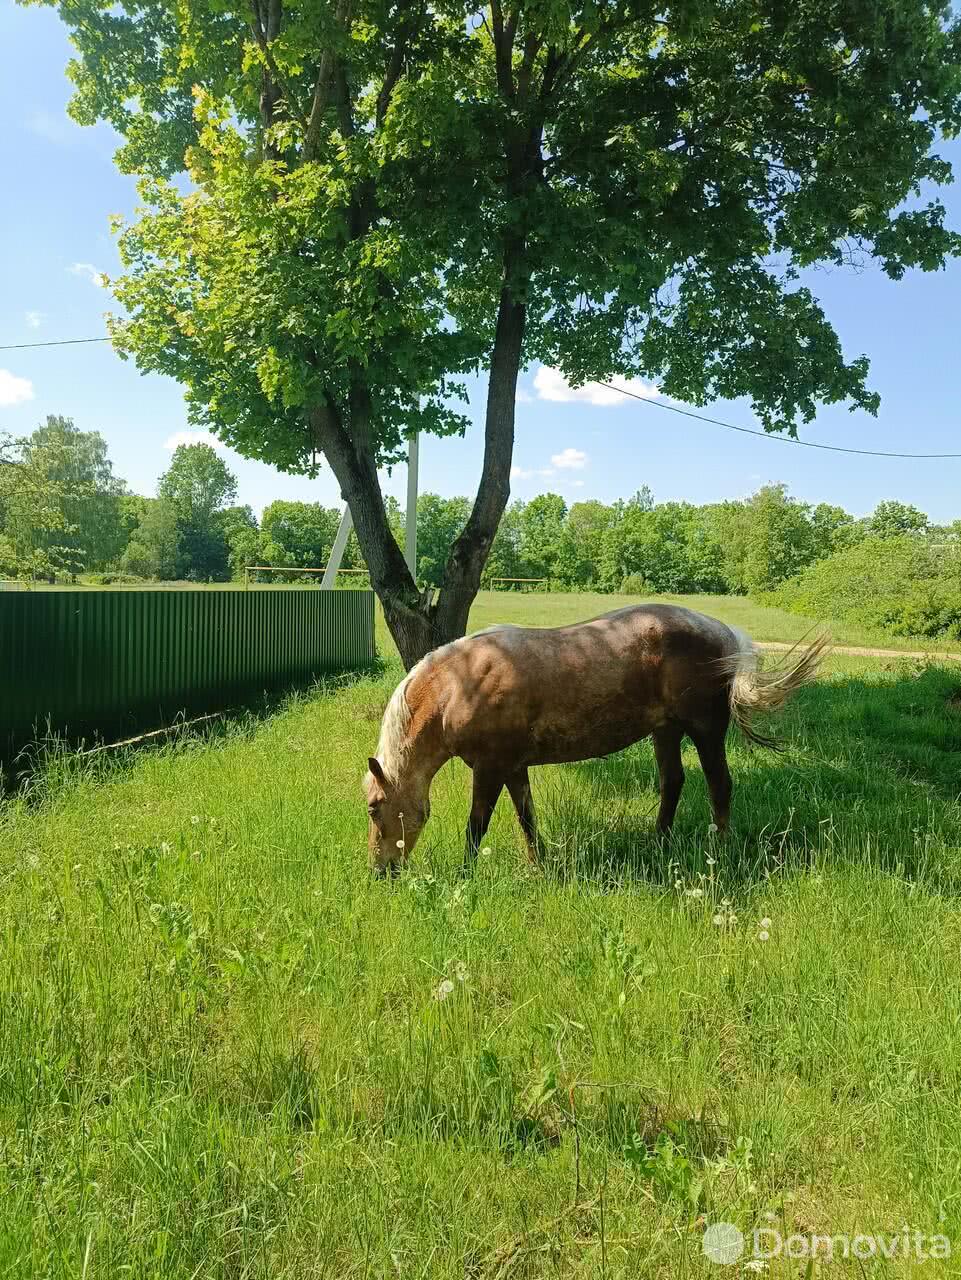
198,485
387,195
60,503
77,462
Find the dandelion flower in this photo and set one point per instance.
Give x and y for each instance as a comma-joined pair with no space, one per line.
763,936
719,920
401,844
712,862
165,847
460,973
712,829
766,923
486,851
443,989
195,821
695,893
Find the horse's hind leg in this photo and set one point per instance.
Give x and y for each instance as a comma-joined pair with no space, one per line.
519,787
667,753
487,787
710,750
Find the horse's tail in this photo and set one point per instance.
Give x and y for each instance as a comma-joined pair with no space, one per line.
753,690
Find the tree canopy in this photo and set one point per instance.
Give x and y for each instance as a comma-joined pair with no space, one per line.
60,503
387,196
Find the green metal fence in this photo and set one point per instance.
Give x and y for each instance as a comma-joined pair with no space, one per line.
101,663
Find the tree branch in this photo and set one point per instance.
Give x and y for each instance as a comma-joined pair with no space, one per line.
263,35
394,67
330,89
504,51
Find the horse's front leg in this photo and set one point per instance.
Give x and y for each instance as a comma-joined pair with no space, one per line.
487,787
519,787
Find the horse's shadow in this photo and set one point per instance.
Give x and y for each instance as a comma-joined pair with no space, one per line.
871,771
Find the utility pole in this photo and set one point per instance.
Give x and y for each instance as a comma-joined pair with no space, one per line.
410,527
337,550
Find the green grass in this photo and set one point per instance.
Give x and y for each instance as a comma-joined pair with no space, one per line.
222,1053
760,621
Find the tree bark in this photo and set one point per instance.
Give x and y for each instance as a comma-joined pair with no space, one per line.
468,555
416,621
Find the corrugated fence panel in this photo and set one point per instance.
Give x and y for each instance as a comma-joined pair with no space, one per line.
100,663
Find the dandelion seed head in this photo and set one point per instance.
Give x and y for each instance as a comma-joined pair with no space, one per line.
443,989
766,923
763,936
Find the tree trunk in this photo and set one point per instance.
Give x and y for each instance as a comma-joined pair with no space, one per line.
468,555
416,622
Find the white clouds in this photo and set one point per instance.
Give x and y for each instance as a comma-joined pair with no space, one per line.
570,460
89,272
14,390
550,384
34,319
192,437
520,473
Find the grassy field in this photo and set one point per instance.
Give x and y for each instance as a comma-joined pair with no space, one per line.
226,1052
763,623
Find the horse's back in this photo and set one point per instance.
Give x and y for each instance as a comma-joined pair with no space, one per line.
567,693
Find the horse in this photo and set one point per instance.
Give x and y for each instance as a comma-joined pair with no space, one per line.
509,698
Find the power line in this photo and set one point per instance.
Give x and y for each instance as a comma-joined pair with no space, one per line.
64,342
747,431
659,404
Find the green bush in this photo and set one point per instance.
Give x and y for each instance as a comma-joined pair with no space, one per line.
635,584
905,585
114,578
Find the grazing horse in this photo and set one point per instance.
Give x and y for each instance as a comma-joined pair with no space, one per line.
511,697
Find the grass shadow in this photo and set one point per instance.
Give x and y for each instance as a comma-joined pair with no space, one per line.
46,766
872,769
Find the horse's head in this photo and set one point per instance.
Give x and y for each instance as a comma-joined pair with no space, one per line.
397,815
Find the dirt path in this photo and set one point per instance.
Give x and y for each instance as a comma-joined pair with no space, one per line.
854,652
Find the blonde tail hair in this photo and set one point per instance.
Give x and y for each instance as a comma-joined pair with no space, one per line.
753,690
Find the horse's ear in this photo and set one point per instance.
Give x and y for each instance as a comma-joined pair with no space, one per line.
373,764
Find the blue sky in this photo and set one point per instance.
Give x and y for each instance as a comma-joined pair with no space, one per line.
61,186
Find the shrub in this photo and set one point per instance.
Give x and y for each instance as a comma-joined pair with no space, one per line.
904,584
635,584
115,578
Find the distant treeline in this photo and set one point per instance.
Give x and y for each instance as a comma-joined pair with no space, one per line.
63,512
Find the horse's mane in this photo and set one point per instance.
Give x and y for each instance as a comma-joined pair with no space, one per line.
394,744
